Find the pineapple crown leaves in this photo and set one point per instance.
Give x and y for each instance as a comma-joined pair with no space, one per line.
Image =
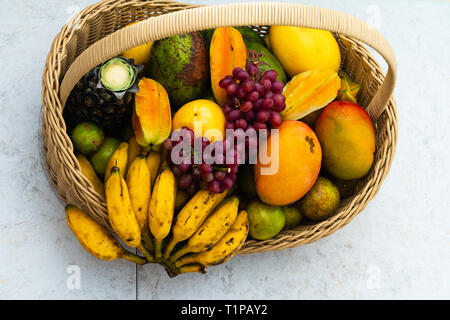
132,83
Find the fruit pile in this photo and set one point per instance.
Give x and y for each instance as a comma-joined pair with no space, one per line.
197,140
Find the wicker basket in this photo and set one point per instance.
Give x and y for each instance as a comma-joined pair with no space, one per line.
96,35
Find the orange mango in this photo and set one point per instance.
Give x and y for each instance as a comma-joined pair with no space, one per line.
310,91
299,158
347,137
226,52
152,118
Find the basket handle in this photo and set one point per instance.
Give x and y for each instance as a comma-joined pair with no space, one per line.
206,17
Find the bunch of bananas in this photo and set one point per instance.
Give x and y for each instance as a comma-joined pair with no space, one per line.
147,213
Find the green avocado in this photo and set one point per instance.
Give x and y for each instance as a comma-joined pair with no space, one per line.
181,65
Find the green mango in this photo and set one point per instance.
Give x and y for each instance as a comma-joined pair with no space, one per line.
99,159
257,52
181,65
250,35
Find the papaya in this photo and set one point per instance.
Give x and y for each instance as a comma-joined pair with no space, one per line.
309,91
180,64
152,117
226,52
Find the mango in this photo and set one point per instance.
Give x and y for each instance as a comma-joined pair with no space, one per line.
301,49
347,137
309,91
291,169
180,64
152,117
321,202
226,52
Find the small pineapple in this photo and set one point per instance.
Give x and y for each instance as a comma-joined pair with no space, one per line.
104,95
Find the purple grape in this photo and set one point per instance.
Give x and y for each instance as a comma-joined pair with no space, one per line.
267,103
253,96
236,71
259,126
214,186
231,89
220,175
266,84
234,115
248,85
225,82
227,183
242,75
277,87
250,116
252,68
176,171
167,144
268,95
184,167
279,108
205,168
278,100
196,174
229,125
270,75
226,108
257,105
240,93
208,177
259,87
185,181
246,106
275,119
241,123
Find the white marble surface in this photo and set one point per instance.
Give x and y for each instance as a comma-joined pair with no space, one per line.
399,247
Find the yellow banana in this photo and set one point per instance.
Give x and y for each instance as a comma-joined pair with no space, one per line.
120,212
134,149
118,159
192,216
162,206
89,172
138,183
194,267
223,250
95,238
212,230
153,162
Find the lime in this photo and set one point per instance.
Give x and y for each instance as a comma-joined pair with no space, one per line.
265,221
87,137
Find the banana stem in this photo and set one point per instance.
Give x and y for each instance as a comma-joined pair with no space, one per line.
127,255
158,244
170,247
147,254
178,254
147,240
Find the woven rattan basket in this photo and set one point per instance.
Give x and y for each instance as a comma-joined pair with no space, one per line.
96,35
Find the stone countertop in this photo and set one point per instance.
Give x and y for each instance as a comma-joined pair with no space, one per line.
399,247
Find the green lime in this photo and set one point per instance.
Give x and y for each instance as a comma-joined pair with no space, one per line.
265,221
99,159
87,137
293,216
321,201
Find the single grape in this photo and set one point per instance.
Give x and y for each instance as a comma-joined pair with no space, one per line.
220,175
230,125
167,144
279,108
248,85
176,171
270,75
277,87
208,177
268,95
205,168
241,123
240,93
257,105
253,96
246,106
233,115
184,181
226,108
231,89
275,119
214,186
259,126
196,174
225,82
267,103
266,84
259,87
241,75
252,68
278,100
184,167
227,183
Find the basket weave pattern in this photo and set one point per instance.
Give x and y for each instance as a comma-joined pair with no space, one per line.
91,38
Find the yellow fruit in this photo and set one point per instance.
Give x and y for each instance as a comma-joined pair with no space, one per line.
310,91
95,238
88,171
134,149
191,217
153,162
162,206
140,54
118,159
208,116
301,49
223,250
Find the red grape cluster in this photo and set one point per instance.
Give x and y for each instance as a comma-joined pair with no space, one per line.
255,101
212,167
